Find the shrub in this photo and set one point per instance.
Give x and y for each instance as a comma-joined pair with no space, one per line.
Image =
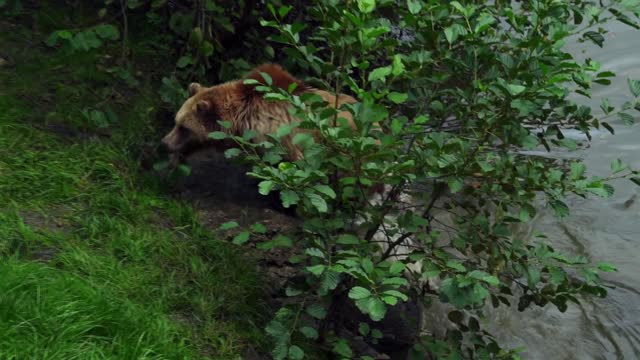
459,89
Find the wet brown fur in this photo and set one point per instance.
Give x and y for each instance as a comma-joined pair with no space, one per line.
245,108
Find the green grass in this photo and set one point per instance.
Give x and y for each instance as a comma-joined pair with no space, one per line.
96,261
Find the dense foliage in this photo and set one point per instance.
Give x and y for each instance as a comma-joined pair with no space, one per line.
450,93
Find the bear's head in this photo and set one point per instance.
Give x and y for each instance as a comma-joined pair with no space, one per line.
198,116
232,101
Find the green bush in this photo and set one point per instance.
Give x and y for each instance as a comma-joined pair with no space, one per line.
459,89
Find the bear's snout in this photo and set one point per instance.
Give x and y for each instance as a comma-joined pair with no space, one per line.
168,144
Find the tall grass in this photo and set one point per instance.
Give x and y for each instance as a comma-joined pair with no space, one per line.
96,260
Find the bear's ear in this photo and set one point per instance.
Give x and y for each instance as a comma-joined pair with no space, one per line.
203,107
279,77
194,88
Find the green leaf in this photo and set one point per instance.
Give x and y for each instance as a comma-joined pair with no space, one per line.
414,6
607,126
363,329
284,10
358,293
317,311
316,270
229,225
329,281
227,124
276,329
326,190
295,353
309,332
395,281
397,97
422,119
92,40
397,67
318,202
377,309
366,6
397,294
606,267
396,126
347,239
570,144
64,34
217,135
634,86
626,118
302,138
464,11
265,187
396,268
231,153
342,348
206,49
275,97
481,275
483,22
515,90
524,107
289,198
380,73
107,31
280,241
259,228
455,185
450,34
367,265
291,292
597,38
267,78
526,212
599,190
241,238
391,300
283,130
280,350
617,165
456,265
533,276
315,252
561,209
251,82
184,61
577,170
635,180
52,39
79,42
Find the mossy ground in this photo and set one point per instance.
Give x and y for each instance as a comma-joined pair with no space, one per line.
96,260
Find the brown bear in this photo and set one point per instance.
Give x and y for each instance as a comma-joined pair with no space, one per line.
245,108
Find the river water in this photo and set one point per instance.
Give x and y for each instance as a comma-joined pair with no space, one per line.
601,229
